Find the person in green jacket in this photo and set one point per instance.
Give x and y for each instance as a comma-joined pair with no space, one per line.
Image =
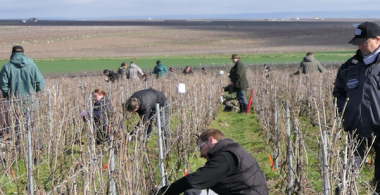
239,81
230,101
160,70
122,70
20,77
310,65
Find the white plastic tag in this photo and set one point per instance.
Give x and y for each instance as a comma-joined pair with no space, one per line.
181,88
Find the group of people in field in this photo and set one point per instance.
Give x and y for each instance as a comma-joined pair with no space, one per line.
135,72
229,168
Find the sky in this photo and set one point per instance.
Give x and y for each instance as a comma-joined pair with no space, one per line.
82,9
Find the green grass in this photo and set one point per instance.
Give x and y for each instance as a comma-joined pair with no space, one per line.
57,65
245,130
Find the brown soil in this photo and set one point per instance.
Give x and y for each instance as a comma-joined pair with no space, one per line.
180,38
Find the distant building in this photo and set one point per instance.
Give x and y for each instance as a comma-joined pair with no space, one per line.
316,17
33,19
22,21
175,20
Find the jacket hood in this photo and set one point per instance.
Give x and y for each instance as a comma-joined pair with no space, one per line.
308,58
19,60
220,145
132,65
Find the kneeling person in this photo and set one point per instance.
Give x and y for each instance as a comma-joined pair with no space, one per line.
230,99
229,169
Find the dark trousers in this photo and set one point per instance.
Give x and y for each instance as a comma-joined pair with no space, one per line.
164,123
240,96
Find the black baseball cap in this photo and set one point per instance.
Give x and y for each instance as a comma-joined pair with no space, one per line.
17,49
364,32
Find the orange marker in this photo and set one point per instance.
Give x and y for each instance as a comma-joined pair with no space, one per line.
185,172
13,171
105,167
271,162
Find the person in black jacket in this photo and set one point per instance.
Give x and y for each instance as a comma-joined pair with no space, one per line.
111,76
358,79
102,113
229,170
144,103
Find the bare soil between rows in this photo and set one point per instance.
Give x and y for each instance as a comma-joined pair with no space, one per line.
54,40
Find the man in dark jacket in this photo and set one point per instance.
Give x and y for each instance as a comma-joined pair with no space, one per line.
358,79
111,76
144,103
229,170
310,65
239,80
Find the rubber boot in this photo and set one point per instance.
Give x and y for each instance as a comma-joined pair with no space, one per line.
245,108
241,108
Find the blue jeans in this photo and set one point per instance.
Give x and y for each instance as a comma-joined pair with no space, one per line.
240,96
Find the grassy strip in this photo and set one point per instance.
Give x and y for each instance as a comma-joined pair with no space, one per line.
245,130
57,65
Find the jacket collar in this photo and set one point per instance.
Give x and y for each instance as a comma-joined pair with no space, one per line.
359,57
219,146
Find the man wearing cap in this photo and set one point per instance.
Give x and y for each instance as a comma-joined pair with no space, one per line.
20,77
358,81
229,170
171,73
239,81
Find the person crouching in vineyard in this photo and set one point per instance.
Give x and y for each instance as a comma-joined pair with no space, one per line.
102,112
144,103
230,99
111,76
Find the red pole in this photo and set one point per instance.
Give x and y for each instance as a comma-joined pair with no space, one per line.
250,102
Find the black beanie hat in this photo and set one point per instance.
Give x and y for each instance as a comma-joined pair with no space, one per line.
17,49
